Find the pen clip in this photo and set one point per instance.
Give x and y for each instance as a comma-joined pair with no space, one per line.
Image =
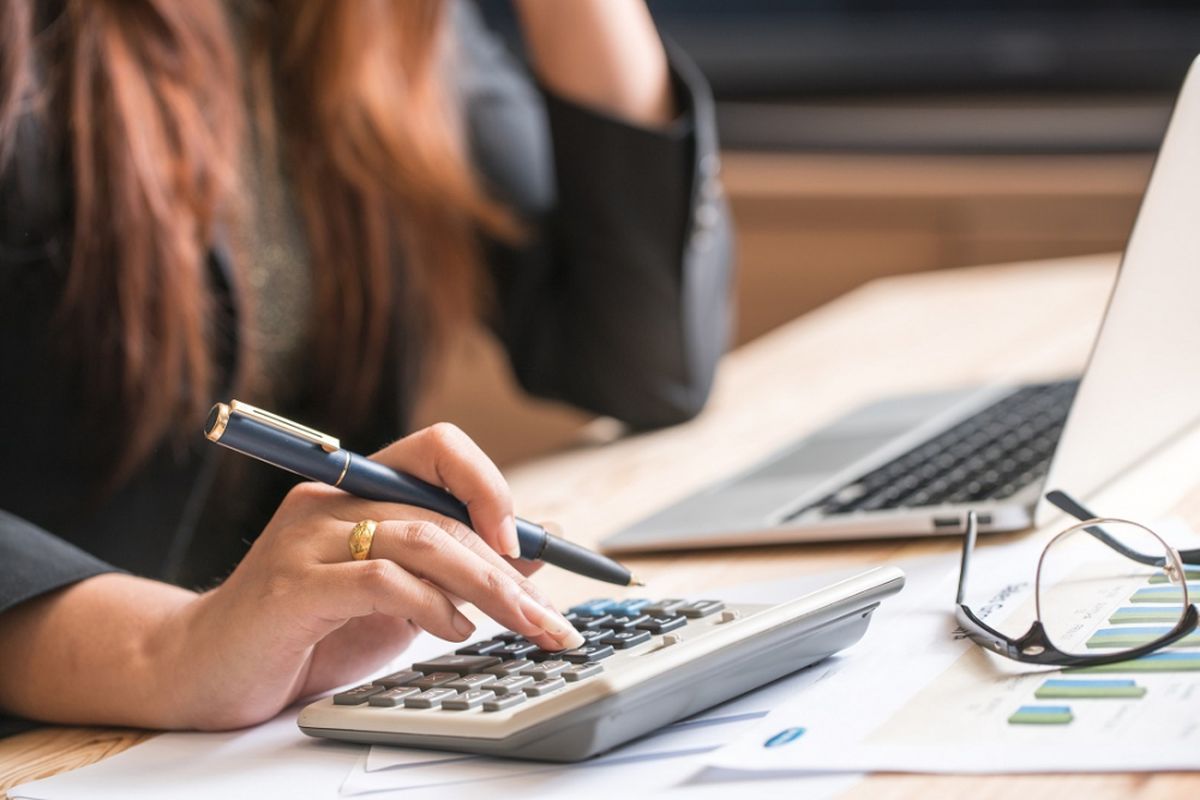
322,440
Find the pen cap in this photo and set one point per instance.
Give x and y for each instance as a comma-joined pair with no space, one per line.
248,436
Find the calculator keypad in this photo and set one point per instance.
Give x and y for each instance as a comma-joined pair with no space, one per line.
507,670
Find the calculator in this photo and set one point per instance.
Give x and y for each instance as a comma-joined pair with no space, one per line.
644,664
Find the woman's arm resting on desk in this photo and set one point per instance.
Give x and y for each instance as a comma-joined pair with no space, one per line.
296,617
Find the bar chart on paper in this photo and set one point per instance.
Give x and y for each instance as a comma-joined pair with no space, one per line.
950,706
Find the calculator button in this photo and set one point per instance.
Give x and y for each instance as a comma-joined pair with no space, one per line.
517,649
505,668
434,679
630,608
480,648
589,652
700,608
590,623
404,677
594,608
626,621
431,698
661,608
468,683
663,624
507,701
545,687
624,639
356,696
513,683
475,697
393,697
460,665
547,669
544,655
508,636
591,637
581,671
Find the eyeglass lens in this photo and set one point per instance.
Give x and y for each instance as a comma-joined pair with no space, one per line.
1088,593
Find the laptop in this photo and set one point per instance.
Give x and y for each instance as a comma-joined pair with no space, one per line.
914,465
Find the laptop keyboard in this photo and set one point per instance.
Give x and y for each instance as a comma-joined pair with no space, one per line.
990,455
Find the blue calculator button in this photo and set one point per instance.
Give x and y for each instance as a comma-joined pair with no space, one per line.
628,608
593,608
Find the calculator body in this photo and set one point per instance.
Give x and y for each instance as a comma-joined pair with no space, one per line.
673,675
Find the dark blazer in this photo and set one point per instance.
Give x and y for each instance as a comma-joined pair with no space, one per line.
617,303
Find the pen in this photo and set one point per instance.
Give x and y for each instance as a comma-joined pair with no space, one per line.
319,457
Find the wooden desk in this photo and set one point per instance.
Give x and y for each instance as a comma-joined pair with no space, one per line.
914,332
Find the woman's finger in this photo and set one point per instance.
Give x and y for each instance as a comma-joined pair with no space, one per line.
428,551
358,588
351,509
443,455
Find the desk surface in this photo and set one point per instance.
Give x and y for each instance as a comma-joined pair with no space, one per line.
916,332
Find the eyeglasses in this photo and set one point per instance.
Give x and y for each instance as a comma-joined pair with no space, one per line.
1109,569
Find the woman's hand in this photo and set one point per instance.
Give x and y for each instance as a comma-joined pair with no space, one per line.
298,616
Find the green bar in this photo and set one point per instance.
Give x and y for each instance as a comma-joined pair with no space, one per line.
1163,594
1064,689
1041,715
1190,573
1155,662
1134,614
1136,636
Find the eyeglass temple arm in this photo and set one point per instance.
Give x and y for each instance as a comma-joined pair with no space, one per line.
968,548
1064,502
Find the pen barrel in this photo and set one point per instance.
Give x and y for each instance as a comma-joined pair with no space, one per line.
252,438
374,481
582,561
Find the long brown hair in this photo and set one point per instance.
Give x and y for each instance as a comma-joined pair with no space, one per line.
150,96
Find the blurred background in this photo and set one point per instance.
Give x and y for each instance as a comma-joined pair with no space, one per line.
864,138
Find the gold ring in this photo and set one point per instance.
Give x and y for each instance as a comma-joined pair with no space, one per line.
361,538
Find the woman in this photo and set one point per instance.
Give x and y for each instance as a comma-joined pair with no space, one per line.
291,202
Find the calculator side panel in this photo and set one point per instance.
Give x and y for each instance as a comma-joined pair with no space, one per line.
666,698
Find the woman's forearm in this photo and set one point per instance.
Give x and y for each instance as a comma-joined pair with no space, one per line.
605,54
97,651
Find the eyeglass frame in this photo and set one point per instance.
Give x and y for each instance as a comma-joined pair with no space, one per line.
1034,646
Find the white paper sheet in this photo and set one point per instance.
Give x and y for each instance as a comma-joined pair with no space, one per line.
667,760
923,701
